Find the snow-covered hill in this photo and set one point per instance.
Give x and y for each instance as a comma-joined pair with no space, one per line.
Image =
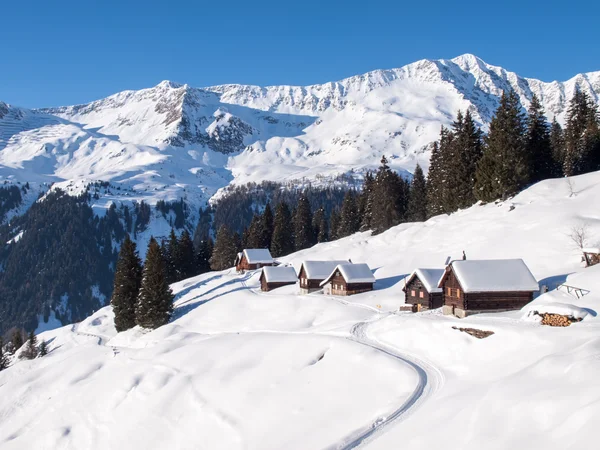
238,368
161,140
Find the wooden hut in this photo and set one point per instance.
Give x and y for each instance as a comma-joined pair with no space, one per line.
274,277
591,256
312,274
422,291
349,279
475,286
253,258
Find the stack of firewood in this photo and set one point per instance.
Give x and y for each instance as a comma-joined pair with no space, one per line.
556,320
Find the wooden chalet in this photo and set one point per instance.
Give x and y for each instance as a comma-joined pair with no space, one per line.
275,277
591,256
313,273
476,286
349,279
422,291
253,258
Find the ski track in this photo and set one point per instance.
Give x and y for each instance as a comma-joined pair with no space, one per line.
431,379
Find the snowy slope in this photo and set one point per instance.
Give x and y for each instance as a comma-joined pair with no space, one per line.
238,368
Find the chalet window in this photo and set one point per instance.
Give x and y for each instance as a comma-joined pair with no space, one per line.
449,292
421,294
457,293
412,293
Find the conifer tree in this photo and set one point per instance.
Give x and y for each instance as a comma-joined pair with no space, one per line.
4,361
538,147
17,339
503,170
266,230
557,146
186,258
224,251
304,236
172,257
128,277
204,254
365,206
43,348
30,351
323,235
282,242
255,233
334,225
417,203
437,176
154,307
386,193
581,135
317,222
349,220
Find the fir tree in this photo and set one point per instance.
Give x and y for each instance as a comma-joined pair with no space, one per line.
462,162
365,204
349,220
224,251
186,258
204,254
30,351
282,242
128,277
255,233
417,203
503,170
266,231
334,225
4,361
438,174
304,236
538,147
43,348
386,194
557,147
155,301
581,136
171,258
318,222
17,340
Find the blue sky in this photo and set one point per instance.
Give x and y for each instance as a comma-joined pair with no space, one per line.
66,52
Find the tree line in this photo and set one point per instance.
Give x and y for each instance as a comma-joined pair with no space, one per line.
18,338
520,149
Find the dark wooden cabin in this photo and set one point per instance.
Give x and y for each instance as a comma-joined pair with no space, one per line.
476,286
349,279
275,277
253,258
591,256
313,273
422,291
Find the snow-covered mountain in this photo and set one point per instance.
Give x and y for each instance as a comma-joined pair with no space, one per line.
241,369
161,140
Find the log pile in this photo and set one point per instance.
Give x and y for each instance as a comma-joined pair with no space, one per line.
557,320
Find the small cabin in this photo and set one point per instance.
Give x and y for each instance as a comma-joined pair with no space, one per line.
313,273
349,279
591,256
476,286
275,277
422,291
253,258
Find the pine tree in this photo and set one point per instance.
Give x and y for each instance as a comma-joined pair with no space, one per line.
538,147
266,231
349,220
186,258
43,348
172,258
17,340
581,135
154,307
318,222
557,146
503,170
437,188
417,203
334,225
255,233
4,361
204,254
128,277
282,242
304,236
31,351
365,205
386,195
224,251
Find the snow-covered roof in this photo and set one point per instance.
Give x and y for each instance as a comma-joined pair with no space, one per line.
258,255
281,274
494,275
319,270
429,277
591,250
353,273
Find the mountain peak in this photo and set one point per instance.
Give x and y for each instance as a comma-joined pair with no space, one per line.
170,84
468,60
